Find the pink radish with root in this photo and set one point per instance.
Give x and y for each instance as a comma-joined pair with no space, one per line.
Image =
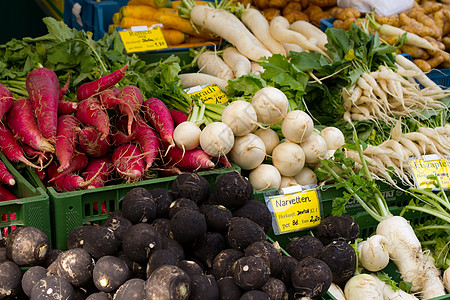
90,142
43,88
128,161
98,169
5,176
11,147
6,100
66,140
66,107
119,138
89,89
90,112
157,113
79,162
109,100
133,97
147,140
189,160
178,116
41,157
22,122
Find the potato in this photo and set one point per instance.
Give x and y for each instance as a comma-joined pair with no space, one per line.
295,15
261,4
280,4
270,13
423,65
324,3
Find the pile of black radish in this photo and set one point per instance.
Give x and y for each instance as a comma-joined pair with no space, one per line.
192,242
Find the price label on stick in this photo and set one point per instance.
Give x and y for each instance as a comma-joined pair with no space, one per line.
427,165
295,211
141,38
208,93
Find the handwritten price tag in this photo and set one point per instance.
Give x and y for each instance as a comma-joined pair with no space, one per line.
209,94
296,211
143,40
430,165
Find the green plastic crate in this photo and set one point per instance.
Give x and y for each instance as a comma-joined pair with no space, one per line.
31,209
72,209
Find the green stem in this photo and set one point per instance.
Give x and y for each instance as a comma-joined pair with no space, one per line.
437,214
444,227
430,197
95,54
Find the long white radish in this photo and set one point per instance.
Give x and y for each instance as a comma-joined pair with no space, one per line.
193,79
230,28
210,63
389,292
422,78
239,64
257,69
259,25
292,47
310,31
279,28
411,38
240,116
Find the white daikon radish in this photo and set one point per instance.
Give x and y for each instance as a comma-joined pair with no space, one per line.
265,177
212,64
248,151
216,139
297,126
239,64
288,158
240,116
310,31
389,292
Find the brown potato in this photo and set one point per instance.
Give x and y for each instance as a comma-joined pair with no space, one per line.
280,4
295,15
423,65
324,3
292,6
270,13
415,52
261,4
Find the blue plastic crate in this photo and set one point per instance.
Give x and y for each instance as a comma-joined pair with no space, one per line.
440,76
326,23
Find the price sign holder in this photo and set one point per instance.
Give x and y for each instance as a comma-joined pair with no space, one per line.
294,210
430,165
208,93
142,38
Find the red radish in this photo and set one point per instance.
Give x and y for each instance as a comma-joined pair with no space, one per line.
64,89
91,88
66,107
119,138
157,113
41,174
5,176
43,89
131,95
42,157
6,194
78,162
191,160
147,140
66,140
90,112
99,169
69,182
178,116
128,162
224,161
109,100
11,147
169,171
90,142
21,120
6,100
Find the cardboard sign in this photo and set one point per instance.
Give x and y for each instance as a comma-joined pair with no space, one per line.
141,38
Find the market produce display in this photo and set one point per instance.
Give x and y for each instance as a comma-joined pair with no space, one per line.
289,106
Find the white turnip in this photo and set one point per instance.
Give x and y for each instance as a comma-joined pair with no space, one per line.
362,286
389,292
216,139
287,181
270,104
248,151
269,137
297,126
306,177
446,279
240,116
288,158
333,136
187,135
265,177
315,148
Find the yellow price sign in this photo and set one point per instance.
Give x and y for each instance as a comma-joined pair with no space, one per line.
430,165
296,211
143,40
209,94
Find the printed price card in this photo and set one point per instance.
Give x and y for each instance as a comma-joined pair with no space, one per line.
296,211
143,40
209,94
430,165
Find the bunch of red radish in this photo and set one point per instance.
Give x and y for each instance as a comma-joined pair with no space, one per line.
108,133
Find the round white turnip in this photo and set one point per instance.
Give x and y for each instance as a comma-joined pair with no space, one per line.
270,104
288,158
373,253
217,139
287,181
240,116
248,151
306,177
265,177
297,126
187,135
333,136
269,137
315,148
